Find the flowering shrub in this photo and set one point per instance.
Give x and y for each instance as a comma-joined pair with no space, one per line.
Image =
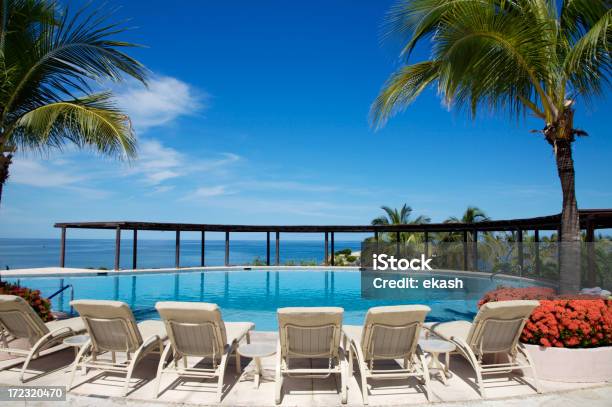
41,306
577,322
527,293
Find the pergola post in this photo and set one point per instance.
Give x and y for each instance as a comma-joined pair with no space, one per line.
536,239
590,243
227,248
63,248
326,248
267,248
465,250
203,249
475,249
333,250
521,255
117,247
377,242
277,262
177,250
426,238
559,248
397,244
135,250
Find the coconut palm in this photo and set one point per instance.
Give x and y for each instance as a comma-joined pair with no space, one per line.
471,215
393,216
512,56
50,60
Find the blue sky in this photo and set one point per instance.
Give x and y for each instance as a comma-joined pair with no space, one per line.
257,114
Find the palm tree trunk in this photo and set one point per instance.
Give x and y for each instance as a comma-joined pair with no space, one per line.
5,162
570,222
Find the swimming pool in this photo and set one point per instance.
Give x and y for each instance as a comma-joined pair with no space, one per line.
255,295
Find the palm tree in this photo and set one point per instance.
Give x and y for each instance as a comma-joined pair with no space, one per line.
393,216
50,60
518,57
471,215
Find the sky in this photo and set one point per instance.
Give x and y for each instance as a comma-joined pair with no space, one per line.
257,113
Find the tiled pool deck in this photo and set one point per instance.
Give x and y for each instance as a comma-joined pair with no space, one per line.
95,389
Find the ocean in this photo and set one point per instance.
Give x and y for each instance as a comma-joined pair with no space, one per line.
100,253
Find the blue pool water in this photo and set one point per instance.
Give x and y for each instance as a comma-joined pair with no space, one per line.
255,295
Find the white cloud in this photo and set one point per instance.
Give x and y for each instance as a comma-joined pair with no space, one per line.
163,188
52,174
35,173
287,186
208,192
157,163
164,100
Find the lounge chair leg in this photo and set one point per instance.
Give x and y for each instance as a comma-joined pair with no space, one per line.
160,368
278,383
350,362
75,366
426,377
533,370
364,383
238,365
128,377
34,353
221,377
480,383
25,366
343,381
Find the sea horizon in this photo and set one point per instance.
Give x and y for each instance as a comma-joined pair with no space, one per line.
157,253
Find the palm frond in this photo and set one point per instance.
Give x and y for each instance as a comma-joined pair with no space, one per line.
498,55
578,16
381,220
66,56
92,122
402,88
588,64
421,219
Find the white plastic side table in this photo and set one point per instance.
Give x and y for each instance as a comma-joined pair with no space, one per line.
77,342
256,351
435,347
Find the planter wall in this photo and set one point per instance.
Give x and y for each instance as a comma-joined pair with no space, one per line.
572,365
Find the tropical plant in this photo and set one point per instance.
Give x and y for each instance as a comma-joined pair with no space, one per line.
50,61
583,321
471,215
393,216
512,56
40,305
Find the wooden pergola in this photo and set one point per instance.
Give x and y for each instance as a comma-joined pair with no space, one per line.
590,220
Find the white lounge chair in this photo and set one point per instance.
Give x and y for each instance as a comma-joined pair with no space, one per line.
310,333
495,331
19,321
197,329
388,333
113,329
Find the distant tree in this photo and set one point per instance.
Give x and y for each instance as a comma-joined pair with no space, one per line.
393,216
471,215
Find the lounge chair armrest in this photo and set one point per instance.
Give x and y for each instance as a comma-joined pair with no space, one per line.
465,349
150,341
60,330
